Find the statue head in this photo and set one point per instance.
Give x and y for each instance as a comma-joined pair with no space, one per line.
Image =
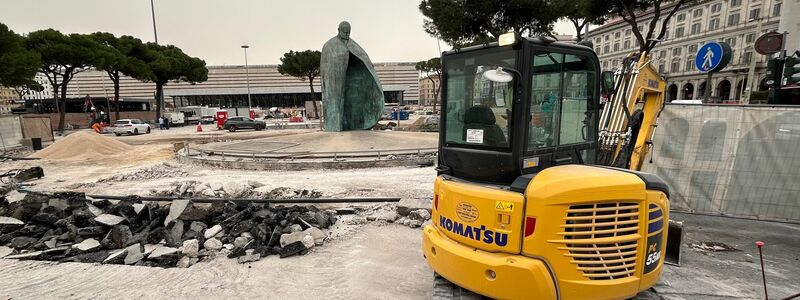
344,30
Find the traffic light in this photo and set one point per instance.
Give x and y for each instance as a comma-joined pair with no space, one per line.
791,71
773,73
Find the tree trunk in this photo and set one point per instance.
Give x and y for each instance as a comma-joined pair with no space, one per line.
435,92
55,98
159,99
313,96
62,111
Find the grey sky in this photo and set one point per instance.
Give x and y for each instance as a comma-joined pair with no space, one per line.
215,29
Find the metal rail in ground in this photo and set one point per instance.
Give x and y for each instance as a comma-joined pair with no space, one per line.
276,201
337,154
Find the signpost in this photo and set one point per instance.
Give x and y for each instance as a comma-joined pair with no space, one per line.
712,57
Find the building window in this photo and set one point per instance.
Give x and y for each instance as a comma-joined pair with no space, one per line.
616,46
713,24
678,32
692,49
627,44
755,13
715,8
605,65
733,19
698,13
662,54
750,38
666,36
690,64
735,3
606,49
597,41
676,65
747,58
606,37
681,17
627,32
695,28
676,51
731,41
616,35
598,50
776,9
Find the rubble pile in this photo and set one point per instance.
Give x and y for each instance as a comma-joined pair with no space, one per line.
154,172
401,215
68,227
233,189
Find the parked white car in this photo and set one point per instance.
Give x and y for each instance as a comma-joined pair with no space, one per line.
130,126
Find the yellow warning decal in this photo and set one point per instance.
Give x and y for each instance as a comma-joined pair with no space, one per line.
504,206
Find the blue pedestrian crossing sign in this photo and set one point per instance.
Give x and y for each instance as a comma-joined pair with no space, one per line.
712,57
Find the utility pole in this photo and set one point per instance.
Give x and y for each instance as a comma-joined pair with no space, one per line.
247,79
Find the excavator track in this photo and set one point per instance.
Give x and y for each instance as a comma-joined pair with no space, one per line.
446,290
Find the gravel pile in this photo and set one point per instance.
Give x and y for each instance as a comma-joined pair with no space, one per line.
67,227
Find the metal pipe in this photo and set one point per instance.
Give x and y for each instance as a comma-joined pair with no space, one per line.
212,200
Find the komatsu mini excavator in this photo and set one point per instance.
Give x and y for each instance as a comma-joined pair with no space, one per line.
538,193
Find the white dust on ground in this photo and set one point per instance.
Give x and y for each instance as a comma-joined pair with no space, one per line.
379,262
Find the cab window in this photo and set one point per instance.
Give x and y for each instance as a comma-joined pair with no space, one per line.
478,113
561,93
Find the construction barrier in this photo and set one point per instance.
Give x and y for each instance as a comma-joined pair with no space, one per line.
741,161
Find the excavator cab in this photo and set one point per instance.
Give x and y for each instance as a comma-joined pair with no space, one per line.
520,210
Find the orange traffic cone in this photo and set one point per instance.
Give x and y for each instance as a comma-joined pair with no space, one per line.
199,128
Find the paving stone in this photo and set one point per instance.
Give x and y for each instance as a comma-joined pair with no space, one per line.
213,244
109,219
211,232
135,253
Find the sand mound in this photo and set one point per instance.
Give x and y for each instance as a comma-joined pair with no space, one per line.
82,144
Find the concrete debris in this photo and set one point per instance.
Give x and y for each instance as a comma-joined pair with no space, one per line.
15,196
161,251
108,219
186,262
211,232
714,247
249,256
420,215
87,245
10,221
134,253
191,248
154,172
212,244
75,229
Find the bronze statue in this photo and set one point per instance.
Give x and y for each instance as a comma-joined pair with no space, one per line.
352,97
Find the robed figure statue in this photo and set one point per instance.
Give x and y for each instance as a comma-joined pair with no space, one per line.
352,97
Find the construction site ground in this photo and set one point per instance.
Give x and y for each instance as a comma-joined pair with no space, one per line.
375,260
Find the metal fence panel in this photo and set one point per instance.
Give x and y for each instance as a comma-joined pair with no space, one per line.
741,161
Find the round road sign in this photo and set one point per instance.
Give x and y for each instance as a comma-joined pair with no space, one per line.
769,43
712,57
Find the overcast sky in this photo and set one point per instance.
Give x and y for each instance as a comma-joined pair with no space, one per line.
214,30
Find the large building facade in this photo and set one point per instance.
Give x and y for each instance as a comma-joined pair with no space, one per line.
227,85
735,22
428,87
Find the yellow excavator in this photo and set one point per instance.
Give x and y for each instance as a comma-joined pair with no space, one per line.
538,193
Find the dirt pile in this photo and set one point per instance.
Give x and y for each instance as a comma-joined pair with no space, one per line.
80,145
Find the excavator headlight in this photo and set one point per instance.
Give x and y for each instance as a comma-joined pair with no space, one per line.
506,39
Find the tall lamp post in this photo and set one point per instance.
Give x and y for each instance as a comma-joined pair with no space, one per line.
153,13
247,78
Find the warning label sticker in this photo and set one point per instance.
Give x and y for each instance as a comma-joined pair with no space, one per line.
475,136
504,206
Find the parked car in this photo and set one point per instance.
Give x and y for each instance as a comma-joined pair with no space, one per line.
130,126
235,123
208,119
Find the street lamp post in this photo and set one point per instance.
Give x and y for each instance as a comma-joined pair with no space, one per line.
153,13
751,82
247,78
